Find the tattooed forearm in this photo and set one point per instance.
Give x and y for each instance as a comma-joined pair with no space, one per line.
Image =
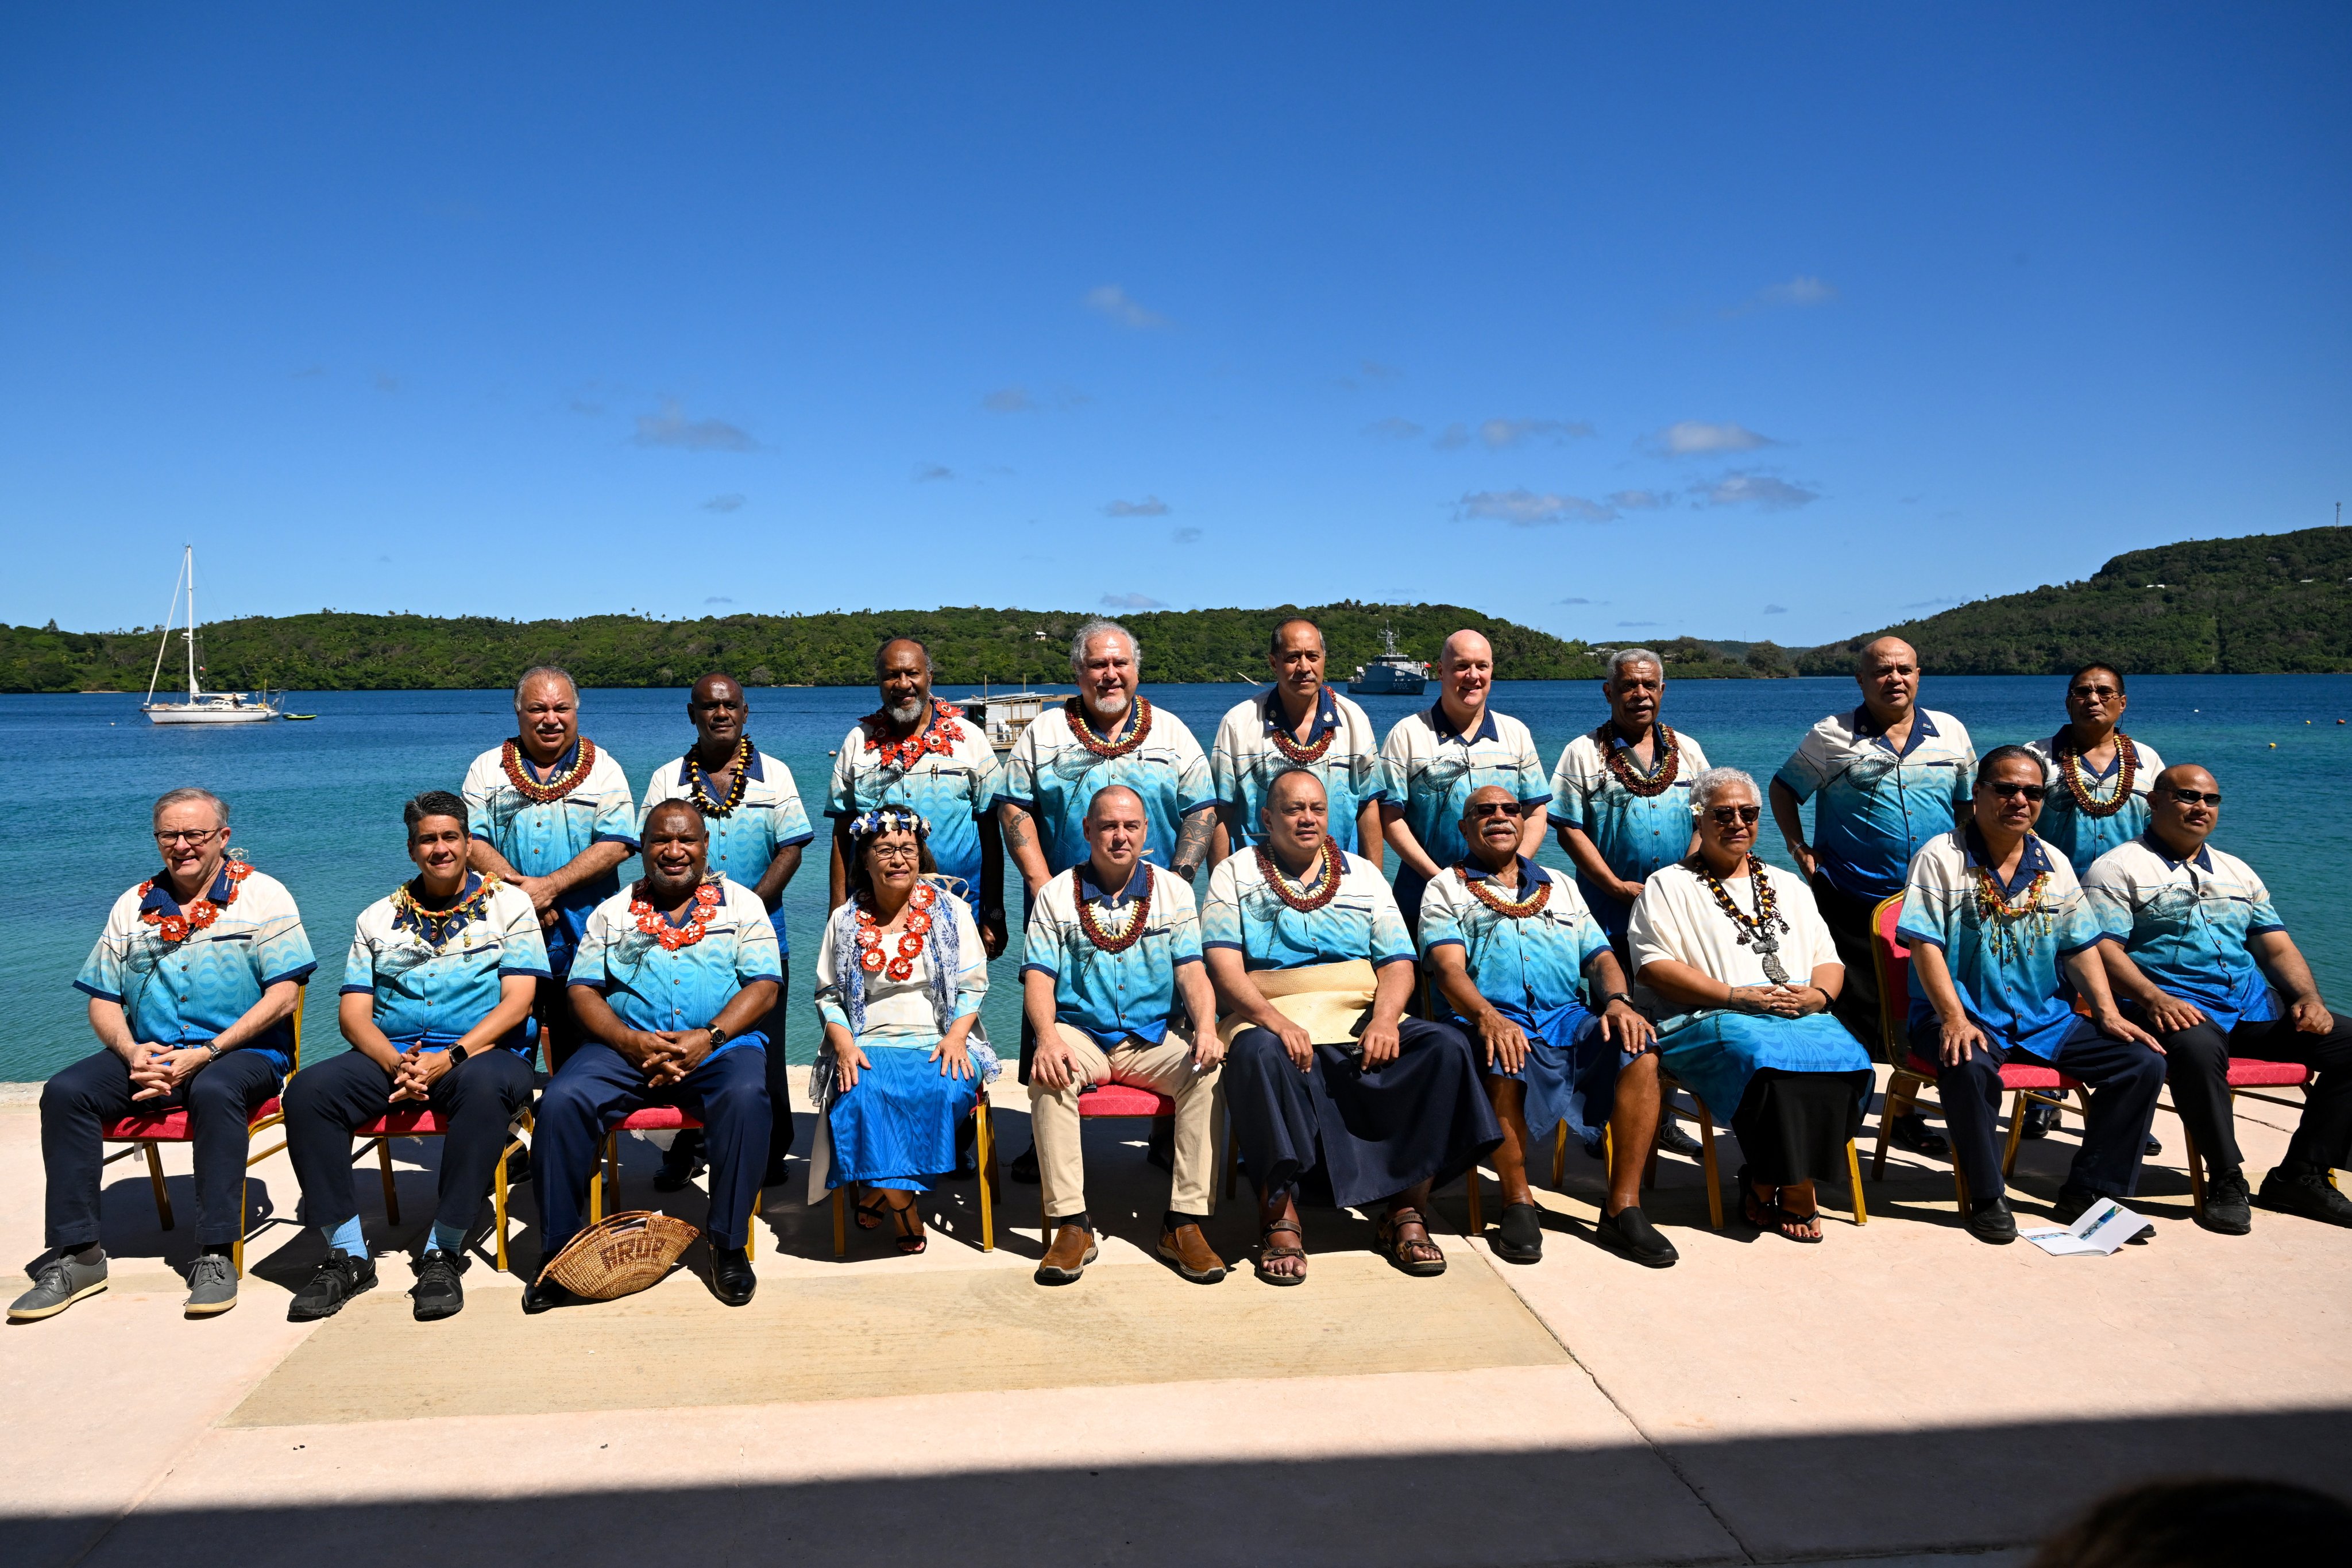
1193,841
1014,822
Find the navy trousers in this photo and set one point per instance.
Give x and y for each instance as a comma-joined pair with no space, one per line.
476,1101
2198,1058
597,1086
2124,1077
79,1103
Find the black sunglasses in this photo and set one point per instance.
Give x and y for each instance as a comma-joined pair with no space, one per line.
2008,791
1728,815
1490,808
2088,692
2195,797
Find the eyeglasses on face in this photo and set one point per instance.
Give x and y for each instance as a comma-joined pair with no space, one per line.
1490,808
187,835
891,854
2196,797
2093,693
1725,816
2010,791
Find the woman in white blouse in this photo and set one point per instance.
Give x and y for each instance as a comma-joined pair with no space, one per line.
898,985
1737,948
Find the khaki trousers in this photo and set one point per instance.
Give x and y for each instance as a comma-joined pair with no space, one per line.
1165,1069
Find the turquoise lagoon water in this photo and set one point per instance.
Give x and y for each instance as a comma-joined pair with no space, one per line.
318,805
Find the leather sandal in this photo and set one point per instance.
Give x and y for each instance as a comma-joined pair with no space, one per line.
870,1213
911,1237
1267,1252
1399,1250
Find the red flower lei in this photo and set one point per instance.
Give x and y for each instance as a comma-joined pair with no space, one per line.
1482,889
1135,924
1668,761
1290,748
910,940
698,781
1305,903
511,758
2070,774
196,915
938,737
651,921
1076,714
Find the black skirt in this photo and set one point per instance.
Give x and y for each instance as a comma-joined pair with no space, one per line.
1792,1127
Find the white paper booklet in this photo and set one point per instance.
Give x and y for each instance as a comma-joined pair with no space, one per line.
2104,1227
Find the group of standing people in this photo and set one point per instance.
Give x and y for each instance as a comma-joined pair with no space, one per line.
1217,927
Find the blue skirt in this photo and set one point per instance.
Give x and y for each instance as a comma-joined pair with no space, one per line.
899,1125
1570,1072
1716,1052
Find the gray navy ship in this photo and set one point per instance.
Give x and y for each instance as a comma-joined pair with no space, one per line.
1391,673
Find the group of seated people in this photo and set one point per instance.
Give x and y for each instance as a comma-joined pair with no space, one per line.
1358,1054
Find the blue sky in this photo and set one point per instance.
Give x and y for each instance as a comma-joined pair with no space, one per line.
1740,321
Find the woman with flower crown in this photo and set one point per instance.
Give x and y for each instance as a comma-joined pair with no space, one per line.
899,978
1738,950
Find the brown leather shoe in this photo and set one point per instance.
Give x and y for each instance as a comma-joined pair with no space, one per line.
1188,1250
1074,1247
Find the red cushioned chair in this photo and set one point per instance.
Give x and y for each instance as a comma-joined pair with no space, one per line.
652,1119
424,1122
2246,1075
1120,1102
984,1148
151,1129
2023,1082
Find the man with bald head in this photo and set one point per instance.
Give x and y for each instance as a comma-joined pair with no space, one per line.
1435,757
1887,778
1299,722
2197,952
751,809
551,814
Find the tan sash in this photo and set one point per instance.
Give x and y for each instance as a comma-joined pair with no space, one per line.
1330,1001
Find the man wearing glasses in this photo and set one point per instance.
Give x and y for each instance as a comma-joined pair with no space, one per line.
1996,922
192,987
2098,778
2194,946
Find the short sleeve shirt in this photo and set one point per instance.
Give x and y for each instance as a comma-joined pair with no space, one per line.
2006,967
186,992
2186,923
1525,964
2073,832
1676,919
651,987
1433,769
1360,923
1112,996
1246,759
539,838
1635,835
432,992
1055,775
1879,807
951,784
744,841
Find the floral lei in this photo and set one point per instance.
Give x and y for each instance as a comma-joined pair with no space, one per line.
1130,933
650,920
197,915
698,783
2070,773
2010,926
1481,889
1305,903
1289,745
1668,761
1076,712
939,738
436,926
870,957
511,758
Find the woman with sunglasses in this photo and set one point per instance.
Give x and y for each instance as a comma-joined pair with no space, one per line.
1738,950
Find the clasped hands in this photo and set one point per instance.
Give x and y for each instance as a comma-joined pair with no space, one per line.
1780,1001
665,1055
158,1071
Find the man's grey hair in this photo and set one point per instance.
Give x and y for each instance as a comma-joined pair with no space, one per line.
920,646
545,672
1094,629
1626,655
171,797
1714,782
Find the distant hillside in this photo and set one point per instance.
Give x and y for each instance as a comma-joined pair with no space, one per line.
337,652
2268,604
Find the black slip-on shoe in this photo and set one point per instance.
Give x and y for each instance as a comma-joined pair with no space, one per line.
2040,1120
681,1164
2228,1209
436,1293
1991,1221
731,1280
1518,1235
1629,1231
336,1281
2311,1193
1675,1140
544,1295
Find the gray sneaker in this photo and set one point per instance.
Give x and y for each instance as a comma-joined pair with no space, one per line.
60,1283
212,1285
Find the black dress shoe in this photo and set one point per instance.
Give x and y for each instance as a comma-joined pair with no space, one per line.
2152,1147
1991,1221
1675,1140
1519,1236
1629,1230
2040,1120
731,1280
681,1164
1912,1132
542,1295
2297,1192
1024,1165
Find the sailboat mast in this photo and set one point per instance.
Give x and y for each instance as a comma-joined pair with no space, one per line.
191,560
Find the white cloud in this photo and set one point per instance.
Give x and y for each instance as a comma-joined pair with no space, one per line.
1756,490
1500,434
671,427
1453,437
1131,602
1641,622
1692,437
1799,293
1009,400
1393,429
932,473
1375,371
1184,536
1640,500
718,599
1571,601
1931,604
1524,508
1149,506
728,502
1776,609
1110,299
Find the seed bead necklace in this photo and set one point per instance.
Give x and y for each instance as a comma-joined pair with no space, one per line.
938,737
1287,745
1076,712
1756,931
1127,934
510,757
436,926
2070,773
698,781
1482,890
198,913
2008,926
1306,903
655,924
918,925
1660,778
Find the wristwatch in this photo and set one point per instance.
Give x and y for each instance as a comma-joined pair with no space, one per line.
1624,996
718,1037
456,1054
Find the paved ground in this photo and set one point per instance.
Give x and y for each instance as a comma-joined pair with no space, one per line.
1897,1394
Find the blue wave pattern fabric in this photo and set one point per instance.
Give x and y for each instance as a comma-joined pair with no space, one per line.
433,994
1055,776
1362,920
953,788
539,838
2006,969
1880,807
1244,763
1636,835
186,992
744,841
1109,996
2187,922
651,987
1433,768
2083,840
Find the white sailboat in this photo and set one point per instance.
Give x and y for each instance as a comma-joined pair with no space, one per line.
201,706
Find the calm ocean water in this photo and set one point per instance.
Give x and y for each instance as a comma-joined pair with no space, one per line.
318,805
